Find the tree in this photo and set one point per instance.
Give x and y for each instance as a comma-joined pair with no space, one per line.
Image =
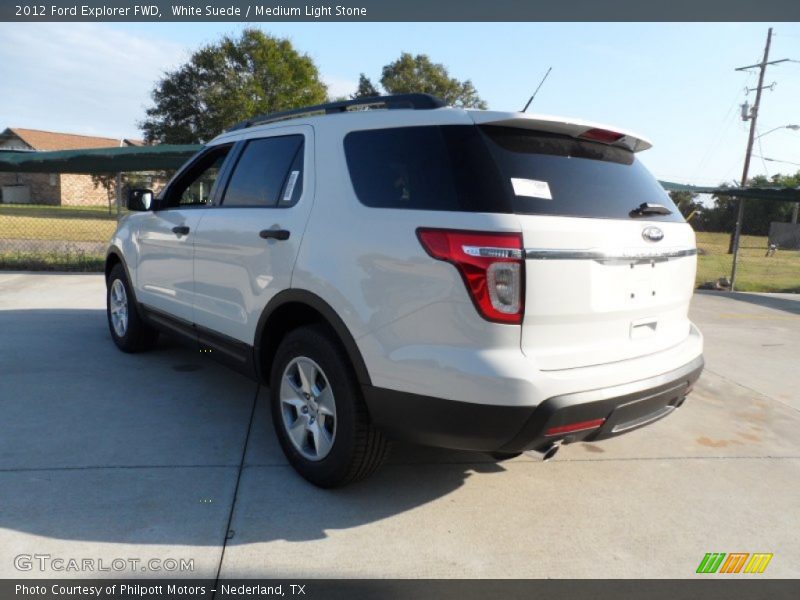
365,88
758,214
686,202
130,180
417,74
228,81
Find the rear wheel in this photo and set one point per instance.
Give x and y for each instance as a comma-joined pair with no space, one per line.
129,332
319,413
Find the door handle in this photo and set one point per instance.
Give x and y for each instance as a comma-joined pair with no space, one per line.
274,234
181,230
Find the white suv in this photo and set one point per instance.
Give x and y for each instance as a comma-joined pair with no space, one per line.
394,267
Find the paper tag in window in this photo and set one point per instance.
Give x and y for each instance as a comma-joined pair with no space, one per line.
287,195
531,188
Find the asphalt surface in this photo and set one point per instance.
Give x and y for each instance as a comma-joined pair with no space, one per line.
108,456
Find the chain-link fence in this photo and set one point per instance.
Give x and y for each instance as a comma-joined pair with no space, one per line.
46,237
764,264
68,229
76,238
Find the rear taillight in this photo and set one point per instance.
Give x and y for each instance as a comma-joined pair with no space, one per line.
491,265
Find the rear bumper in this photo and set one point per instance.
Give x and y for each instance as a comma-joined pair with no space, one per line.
491,428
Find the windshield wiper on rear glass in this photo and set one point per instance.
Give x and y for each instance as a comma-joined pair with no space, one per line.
645,208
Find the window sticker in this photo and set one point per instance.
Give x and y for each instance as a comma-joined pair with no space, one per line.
531,188
287,195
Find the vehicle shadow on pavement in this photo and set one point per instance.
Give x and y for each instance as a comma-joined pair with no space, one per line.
97,445
274,503
782,302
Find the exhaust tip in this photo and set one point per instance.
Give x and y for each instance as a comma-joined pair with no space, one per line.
550,452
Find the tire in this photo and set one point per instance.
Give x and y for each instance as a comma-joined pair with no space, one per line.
314,388
129,332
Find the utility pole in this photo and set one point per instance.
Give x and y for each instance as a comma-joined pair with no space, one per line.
754,117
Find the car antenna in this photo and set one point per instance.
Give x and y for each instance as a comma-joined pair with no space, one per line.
537,89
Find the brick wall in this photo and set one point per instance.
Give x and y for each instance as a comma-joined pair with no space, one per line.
42,192
78,190
69,189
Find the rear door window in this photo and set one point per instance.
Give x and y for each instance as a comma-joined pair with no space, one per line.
548,174
269,173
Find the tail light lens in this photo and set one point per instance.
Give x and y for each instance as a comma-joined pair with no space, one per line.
573,427
491,265
602,135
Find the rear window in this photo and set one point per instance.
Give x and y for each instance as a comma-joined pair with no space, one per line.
558,175
498,169
424,168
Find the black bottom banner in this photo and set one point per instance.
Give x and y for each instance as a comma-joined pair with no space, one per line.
461,589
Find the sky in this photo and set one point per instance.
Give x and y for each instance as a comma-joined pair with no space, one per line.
672,83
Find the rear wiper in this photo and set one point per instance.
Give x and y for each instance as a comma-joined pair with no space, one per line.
645,208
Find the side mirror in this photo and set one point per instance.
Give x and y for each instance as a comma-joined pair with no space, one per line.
140,199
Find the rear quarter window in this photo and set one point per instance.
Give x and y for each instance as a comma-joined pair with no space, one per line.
444,168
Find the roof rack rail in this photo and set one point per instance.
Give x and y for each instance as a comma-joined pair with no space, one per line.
412,101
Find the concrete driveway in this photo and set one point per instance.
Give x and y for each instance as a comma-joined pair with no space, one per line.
112,456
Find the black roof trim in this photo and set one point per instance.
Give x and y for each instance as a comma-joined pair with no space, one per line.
412,101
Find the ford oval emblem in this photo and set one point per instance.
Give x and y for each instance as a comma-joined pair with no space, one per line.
652,234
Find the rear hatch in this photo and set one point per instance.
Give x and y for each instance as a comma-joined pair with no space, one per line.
607,279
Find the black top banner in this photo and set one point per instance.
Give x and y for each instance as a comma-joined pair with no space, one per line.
401,10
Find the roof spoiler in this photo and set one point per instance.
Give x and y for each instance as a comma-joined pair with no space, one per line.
571,127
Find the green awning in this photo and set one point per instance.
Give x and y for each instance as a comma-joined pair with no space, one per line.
166,156
98,160
755,193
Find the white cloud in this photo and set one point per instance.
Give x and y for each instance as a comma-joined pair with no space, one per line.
80,77
339,86
89,78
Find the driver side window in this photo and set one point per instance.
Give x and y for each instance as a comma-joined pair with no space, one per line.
195,186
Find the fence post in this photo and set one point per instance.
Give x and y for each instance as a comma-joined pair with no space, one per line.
119,193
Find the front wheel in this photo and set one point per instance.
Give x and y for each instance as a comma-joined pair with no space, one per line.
319,413
128,331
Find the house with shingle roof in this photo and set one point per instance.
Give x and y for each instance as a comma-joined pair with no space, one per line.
67,189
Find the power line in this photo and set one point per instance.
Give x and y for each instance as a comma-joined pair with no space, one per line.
761,150
786,162
723,129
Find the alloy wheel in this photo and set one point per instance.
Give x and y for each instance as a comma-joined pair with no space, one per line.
118,308
308,408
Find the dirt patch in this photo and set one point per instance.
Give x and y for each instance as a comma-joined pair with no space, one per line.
704,441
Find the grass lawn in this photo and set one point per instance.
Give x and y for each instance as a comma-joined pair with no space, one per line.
51,261
754,271
68,223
